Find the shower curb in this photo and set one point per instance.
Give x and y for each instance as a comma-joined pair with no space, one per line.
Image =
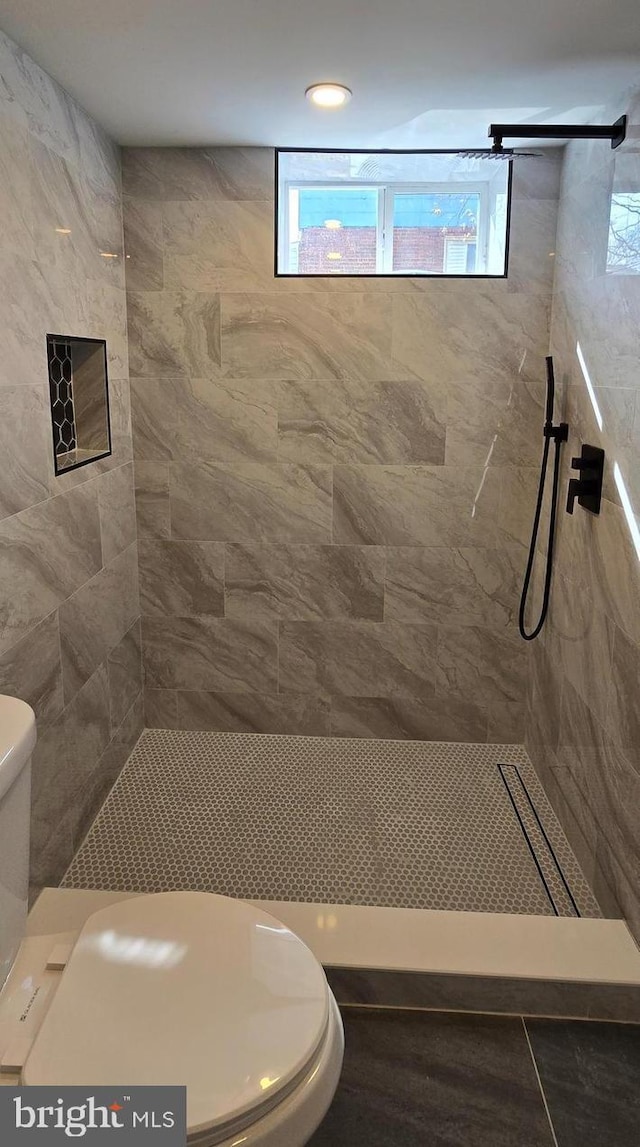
432,960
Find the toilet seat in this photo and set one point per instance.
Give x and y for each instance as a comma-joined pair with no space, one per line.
188,988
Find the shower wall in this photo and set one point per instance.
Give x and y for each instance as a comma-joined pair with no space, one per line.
334,477
69,612
583,724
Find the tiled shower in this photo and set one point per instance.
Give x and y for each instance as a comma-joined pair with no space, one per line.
334,483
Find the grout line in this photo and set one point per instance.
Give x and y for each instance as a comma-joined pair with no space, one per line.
535,1068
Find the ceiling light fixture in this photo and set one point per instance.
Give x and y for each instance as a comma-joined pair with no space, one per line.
328,95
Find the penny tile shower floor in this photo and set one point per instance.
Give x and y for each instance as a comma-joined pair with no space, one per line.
393,823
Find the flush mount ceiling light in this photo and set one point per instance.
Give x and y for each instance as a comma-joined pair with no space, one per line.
328,95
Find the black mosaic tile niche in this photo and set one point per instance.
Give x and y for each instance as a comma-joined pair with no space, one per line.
79,396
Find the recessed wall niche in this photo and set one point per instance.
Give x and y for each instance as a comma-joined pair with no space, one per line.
79,394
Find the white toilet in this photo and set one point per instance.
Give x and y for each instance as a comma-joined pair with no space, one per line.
176,988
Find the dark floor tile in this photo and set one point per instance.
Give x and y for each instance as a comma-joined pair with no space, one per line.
590,1074
436,1080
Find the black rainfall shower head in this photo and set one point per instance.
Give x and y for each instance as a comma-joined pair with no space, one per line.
503,153
614,132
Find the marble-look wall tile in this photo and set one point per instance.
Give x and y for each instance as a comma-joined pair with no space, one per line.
490,329
283,336
96,788
46,552
174,333
357,659
25,447
143,246
413,506
623,711
32,670
580,641
161,709
64,196
605,781
60,199
63,759
506,722
95,618
181,579
593,633
340,420
124,664
181,419
538,177
250,501
304,583
475,661
613,584
124,740
308,430
206,653
153,512
218,245
432,718
493,419
473,585
185,173
116,503
253,713
40,106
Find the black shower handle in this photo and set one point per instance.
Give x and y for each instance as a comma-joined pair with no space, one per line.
588,488
580,488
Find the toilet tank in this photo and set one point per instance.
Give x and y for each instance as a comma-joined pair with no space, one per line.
17,739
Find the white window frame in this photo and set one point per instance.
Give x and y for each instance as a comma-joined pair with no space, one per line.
386,191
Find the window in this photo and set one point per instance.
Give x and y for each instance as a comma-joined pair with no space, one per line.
623,253
391,213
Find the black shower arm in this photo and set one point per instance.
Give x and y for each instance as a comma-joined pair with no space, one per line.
616,132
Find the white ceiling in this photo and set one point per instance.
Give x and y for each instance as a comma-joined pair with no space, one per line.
424,73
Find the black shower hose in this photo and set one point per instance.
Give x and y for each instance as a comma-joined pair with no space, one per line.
559,435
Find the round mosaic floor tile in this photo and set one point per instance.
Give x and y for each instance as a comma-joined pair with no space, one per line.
407,824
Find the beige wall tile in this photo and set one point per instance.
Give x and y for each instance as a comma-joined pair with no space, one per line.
182,419
371,387
46,552
174,333
342,420
248,501
283,336
161,709
95,618
432,718
304,583
32,670
184,173
469,585
206,653
116,503
60,199
413,506
594,628
181,579
253,713
357,658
